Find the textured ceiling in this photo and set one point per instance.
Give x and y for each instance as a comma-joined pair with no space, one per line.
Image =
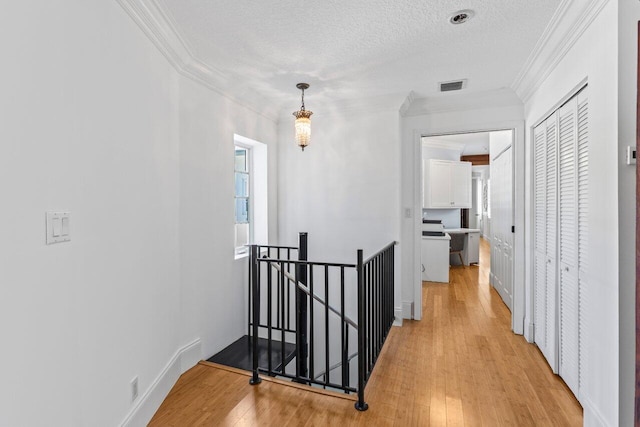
356,48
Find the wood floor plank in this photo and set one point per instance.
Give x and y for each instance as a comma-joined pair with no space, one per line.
459,366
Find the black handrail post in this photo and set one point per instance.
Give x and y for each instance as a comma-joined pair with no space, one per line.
302,352
361,405
253,268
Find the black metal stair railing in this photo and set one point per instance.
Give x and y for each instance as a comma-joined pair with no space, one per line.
284,295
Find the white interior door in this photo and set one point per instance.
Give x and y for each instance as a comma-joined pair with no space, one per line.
502,221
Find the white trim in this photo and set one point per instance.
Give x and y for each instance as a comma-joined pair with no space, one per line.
404,108
573,92
258,190
406,311
542,42
395,103
184,359
397,321
520,288
156,24
190,355
591,414
559,37
530,330
452,102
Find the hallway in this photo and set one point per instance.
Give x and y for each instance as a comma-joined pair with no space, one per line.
460,366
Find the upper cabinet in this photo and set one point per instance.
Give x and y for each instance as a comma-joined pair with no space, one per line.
447,184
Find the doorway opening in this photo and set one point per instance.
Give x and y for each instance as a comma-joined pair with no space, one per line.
467,183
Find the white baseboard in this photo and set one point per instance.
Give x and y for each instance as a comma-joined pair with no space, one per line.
150,401
591,416
407,310
190,355
530,330
397,321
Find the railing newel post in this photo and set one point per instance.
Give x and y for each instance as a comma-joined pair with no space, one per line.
302,369
361,405
255,305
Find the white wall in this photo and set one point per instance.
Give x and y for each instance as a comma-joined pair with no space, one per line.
213,289
486,118
343,189
594,57
95,121
628,16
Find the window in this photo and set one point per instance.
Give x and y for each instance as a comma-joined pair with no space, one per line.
242,198
250,194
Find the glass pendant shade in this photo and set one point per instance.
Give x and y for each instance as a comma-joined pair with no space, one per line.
303,128
303,121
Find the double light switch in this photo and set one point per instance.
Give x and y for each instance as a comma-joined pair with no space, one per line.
58,227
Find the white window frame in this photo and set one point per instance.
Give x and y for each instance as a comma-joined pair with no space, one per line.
258,195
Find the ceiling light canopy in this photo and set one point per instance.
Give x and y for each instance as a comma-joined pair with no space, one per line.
303,121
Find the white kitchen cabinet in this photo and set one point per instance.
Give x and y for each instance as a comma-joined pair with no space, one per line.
435,258
446,184
471,254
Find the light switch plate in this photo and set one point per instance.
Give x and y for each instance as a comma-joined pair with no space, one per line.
631,155
57,227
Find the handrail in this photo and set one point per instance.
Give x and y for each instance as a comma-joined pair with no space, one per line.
298,262
374,280
275,247
337,365
375,314
379,252
307,291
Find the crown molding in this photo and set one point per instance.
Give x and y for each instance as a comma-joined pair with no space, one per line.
156,24
568,24
406,105
376,104
505,97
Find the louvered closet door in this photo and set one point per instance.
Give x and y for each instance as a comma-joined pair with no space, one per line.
561,202
540,262
551,240
568,245
583,244
544,226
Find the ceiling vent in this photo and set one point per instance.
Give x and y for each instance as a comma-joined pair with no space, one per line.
454,85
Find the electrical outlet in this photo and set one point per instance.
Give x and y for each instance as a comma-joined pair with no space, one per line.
134,389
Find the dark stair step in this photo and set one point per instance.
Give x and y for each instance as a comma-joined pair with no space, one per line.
240,354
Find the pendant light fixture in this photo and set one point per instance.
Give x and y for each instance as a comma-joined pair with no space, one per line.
303,121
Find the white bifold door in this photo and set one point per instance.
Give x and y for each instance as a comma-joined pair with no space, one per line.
561,165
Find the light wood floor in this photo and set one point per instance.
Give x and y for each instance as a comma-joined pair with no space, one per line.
460,366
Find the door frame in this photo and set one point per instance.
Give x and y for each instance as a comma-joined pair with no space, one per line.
520,316
637,373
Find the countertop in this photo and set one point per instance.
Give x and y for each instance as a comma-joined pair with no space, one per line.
461,230
445,237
